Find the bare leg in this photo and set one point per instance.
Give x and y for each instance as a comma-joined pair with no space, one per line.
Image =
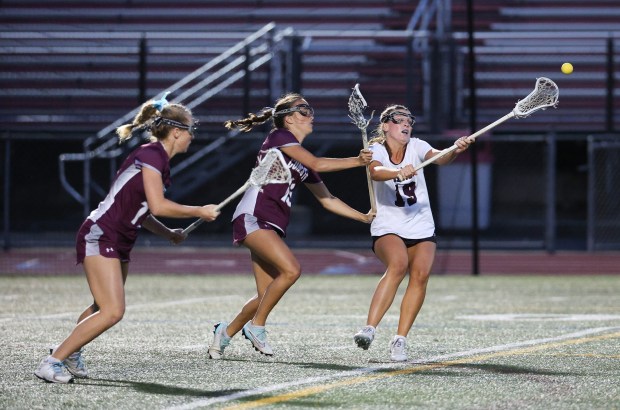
422,257
106,277
88,311
263,275
93,307
275,270
391,250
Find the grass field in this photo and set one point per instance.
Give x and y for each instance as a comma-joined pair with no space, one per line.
493,342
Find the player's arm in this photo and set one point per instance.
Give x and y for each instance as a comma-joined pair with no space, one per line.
158,228
162,206
321,164
378,172
462,143
335,205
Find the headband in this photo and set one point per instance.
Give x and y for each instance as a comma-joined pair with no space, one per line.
390,116
269,109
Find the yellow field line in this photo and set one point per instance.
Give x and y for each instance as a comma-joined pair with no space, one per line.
588,355
414,369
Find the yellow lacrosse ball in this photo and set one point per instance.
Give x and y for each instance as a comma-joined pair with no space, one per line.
567,68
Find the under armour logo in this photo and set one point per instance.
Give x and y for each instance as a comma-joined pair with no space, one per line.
109,249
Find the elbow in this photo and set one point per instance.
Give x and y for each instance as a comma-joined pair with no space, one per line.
156,210
328,203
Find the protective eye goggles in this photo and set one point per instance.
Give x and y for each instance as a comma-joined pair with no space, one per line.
190,128
303,109
410,119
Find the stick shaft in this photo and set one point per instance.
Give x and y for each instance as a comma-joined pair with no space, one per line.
371,188
233,196
219,207
473,136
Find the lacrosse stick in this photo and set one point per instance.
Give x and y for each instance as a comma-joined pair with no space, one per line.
545,95
357,104
272,169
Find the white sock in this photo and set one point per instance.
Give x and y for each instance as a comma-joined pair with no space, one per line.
256,326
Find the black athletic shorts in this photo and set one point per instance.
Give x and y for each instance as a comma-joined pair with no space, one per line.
408,242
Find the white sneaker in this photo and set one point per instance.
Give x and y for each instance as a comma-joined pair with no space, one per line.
53,371
257,335
398,349
74,363
364,337
220,341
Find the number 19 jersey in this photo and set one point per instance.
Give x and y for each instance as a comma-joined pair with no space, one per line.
403,207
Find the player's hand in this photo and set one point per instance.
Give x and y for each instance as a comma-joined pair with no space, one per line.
370,216
209,212
463,143
177,236
406,172
365,157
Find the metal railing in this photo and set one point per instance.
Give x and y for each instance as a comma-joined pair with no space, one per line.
104,144
236,64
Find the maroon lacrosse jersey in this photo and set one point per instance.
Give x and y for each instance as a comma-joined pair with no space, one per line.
272,202
122,211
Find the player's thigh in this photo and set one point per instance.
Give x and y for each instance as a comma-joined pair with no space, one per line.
106,277
421,257
271,253
392,251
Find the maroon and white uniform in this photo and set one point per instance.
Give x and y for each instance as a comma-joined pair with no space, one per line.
270,206
111,229
403,207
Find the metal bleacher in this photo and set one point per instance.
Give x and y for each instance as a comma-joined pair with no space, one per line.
75,65
528,39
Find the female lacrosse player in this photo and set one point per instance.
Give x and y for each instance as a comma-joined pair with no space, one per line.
106,237
403,233
262,216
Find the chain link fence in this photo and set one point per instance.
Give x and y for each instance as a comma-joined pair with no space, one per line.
603,193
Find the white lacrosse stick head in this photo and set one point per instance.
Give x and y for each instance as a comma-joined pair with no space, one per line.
357,105
272,169
545,95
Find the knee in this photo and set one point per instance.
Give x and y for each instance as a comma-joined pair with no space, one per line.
420,276
113,315
291,273
397,269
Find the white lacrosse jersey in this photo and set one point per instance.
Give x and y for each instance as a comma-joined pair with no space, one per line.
403,207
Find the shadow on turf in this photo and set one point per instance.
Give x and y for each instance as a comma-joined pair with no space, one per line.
157,388
324,366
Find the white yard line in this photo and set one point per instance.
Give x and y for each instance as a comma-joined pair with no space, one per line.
368,370
143,306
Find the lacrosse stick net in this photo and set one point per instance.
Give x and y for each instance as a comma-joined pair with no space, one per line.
272,169
357,105
545,94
